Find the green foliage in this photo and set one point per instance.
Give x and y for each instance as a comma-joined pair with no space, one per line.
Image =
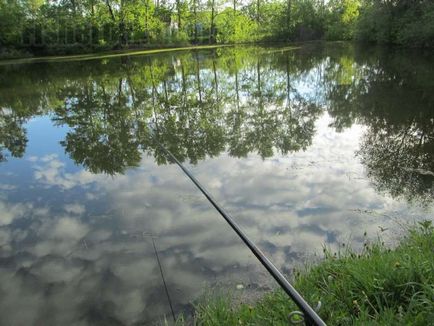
308,18
378,286
196,101
382,91
417,26
373,25
405,22
235,27
11,22
69,27
271,24
342,18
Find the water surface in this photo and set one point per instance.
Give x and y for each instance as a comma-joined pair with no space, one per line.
305,148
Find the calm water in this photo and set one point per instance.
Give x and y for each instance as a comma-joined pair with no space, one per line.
303,147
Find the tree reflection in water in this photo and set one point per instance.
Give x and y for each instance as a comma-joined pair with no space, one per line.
392,96
203,103
72,246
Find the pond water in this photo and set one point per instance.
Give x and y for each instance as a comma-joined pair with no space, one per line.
304,147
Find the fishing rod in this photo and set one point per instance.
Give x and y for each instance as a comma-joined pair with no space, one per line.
166,289
309,314
164,280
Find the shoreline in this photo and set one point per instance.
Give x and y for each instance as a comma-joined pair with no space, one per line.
133,52
380,285
106,54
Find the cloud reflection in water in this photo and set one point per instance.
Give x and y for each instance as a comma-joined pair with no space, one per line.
292,144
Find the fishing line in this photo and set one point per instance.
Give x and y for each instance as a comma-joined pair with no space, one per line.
310,315
164,280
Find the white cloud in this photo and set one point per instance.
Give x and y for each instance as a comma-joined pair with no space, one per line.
96,247
11,212
74,208
68,228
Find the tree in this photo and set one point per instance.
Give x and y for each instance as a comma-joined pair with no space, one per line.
12,19
342,18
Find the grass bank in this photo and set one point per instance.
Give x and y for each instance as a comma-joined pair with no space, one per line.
379,286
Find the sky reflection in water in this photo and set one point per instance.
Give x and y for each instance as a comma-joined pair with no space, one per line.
303,148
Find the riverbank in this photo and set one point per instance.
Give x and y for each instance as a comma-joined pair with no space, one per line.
133,52
379,286
106,55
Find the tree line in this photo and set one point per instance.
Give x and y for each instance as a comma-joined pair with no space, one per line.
77,26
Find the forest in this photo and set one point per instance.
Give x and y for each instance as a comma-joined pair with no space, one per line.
44,27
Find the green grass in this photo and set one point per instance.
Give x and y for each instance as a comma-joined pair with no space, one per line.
378,286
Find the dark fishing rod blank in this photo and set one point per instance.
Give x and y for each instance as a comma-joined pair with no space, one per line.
310,315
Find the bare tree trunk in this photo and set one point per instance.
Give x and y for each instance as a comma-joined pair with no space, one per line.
178,8
215,79
195,19
184,86
258,71
107,2
288,82
166,95
235,11
146,21
237,90
212,28
258,7
288,18
199,86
